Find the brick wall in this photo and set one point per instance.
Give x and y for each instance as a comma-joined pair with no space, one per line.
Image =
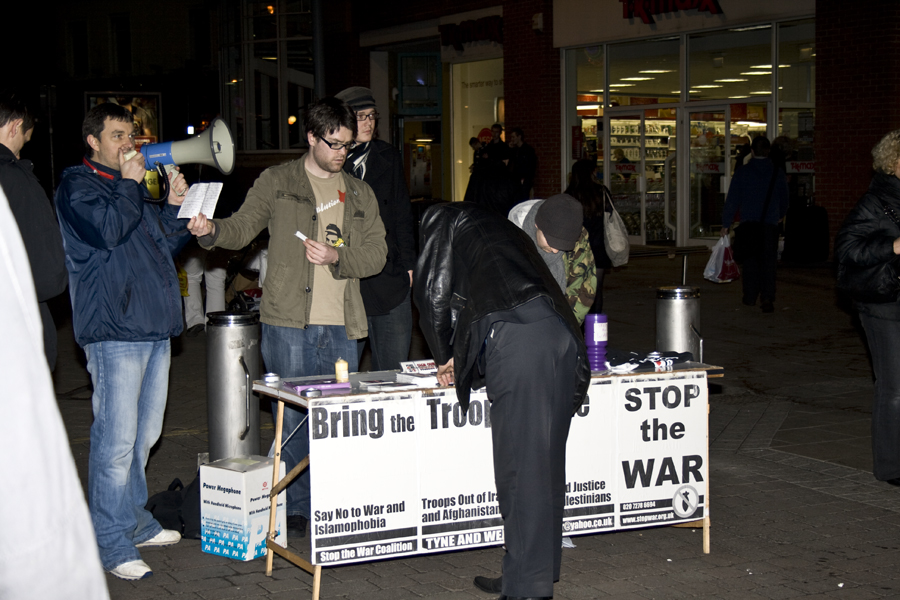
531,73
857,86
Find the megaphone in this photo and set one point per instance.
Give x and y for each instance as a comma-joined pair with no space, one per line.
213,147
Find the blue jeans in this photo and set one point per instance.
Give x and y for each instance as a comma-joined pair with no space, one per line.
389,337
131,381
295,352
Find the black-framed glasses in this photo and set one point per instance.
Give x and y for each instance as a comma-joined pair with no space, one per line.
335,145
361,117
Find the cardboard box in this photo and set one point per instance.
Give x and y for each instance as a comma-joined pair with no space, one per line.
234,507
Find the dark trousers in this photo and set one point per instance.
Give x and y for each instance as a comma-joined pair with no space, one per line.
530,380
389,337
883,336
758,268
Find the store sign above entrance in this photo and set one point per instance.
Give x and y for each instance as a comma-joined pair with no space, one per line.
645,9
485,29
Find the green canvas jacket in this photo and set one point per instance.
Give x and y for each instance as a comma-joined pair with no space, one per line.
581,276
283,201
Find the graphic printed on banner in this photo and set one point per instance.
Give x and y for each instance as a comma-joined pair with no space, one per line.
590,470
361,509
663,470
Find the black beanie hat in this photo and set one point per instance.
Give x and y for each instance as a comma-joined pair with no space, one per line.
359,98
559,218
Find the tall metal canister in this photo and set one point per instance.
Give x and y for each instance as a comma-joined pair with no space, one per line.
678,320
232,364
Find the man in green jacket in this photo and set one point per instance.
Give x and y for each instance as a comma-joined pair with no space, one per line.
324,234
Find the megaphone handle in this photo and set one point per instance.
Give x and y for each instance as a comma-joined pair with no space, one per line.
164,184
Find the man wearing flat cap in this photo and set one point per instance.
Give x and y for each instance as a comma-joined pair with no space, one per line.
385,295
494,316
554,225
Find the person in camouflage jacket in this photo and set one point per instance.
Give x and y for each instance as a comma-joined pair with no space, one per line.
581,276
574,269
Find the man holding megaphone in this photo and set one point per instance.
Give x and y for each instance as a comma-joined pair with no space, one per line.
126,305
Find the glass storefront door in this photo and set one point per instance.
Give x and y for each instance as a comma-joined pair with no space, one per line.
719,143
421,151
625,171
477,103
643,174
709,149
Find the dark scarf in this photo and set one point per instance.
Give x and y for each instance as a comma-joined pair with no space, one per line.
357,157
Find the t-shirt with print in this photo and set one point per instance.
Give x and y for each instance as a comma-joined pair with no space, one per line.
328,292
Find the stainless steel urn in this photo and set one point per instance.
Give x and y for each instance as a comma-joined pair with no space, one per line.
678,320
232,364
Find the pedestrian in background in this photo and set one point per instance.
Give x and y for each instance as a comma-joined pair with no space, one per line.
759,193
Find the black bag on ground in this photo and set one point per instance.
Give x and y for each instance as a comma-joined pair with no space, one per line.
190,510
178,508
806,237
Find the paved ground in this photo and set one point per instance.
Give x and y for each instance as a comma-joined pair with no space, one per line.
795,509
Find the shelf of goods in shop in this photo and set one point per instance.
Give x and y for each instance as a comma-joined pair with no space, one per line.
656,226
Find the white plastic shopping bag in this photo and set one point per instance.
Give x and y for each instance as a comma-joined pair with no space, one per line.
721,268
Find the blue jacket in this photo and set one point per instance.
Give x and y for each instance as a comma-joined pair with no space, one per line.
119,251
747,193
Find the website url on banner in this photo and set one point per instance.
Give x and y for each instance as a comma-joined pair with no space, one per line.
588,524
666,516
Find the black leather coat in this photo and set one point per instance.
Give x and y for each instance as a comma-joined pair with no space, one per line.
476,268
864,249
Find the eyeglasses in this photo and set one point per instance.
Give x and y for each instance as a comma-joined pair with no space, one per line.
335,145
372,116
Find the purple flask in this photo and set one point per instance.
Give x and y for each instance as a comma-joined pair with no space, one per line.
595,335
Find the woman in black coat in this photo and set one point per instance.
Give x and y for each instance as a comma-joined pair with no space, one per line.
866,250
587,190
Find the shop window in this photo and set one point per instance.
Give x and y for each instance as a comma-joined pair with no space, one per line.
585,93
797,52
796,107
266,64
266,101
231,71
420,84
230,21
731,64
477,91
263,20
645,72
